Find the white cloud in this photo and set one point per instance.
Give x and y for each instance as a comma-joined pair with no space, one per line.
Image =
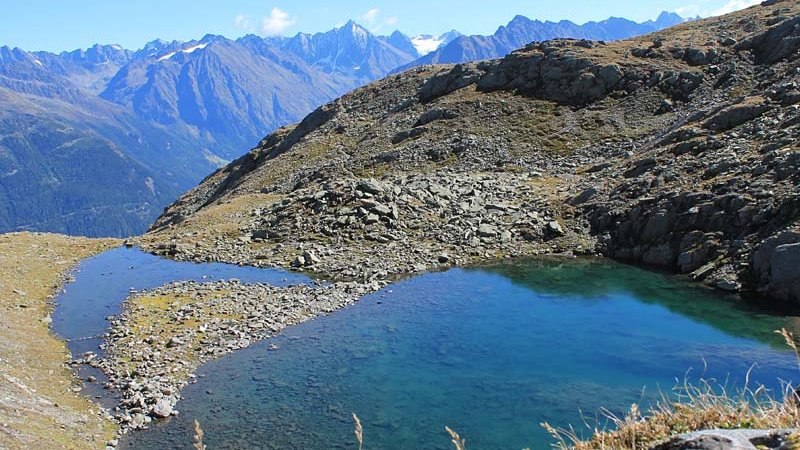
243,21
370,16
688,11
734,5
372,19
276,22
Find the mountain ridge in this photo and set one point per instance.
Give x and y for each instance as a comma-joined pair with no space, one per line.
521,31
675,149
176,109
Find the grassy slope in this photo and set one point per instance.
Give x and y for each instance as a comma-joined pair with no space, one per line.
38,405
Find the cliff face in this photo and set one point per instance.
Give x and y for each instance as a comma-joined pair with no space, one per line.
675,149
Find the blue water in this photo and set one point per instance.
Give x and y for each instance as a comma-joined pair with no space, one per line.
490,352
104,281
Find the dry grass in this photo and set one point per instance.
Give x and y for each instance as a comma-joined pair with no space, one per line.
359,431
39,407
700,406
458,442
198,437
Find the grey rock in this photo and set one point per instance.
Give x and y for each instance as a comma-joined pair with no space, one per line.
370,186
162,409
487,230
583,197
309,258
736,115
729,440
554,228
785,271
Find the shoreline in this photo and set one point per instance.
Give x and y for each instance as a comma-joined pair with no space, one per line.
40,388
164,334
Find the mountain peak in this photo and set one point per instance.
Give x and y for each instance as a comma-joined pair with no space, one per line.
519,20
668,19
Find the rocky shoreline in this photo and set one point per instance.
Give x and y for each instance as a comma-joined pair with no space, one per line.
366,230
164,334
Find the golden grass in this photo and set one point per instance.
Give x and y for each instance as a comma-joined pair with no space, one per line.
700,406
198,437
359,431
38,405
458,442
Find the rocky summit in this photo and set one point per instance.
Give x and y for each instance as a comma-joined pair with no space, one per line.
677,149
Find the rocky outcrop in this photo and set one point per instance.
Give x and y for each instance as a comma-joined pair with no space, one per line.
551,71
776,43
732,440
775,264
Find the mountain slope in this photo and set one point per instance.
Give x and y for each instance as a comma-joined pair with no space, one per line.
152,123
521,31
176,111
43,182
676,149
220,92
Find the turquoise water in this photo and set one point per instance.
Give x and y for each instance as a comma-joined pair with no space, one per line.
104,281
490,352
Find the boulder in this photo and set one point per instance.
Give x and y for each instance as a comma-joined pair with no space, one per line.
554,228
785,271
729,440
775,268
162,409
486,230
735,115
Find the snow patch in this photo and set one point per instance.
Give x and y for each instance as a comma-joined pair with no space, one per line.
426,44
38,62
191,49
167,56
194,48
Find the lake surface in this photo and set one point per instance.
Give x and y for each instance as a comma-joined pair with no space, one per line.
490,352
103,282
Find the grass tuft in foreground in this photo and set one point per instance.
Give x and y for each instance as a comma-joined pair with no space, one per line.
696,407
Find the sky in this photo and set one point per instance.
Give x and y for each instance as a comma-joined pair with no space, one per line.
58,25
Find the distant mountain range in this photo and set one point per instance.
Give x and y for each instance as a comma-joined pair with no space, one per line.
97,141
522,31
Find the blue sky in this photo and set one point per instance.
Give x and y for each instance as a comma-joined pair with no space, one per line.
57,25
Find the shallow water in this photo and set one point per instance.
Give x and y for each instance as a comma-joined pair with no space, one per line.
490,352
104,281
